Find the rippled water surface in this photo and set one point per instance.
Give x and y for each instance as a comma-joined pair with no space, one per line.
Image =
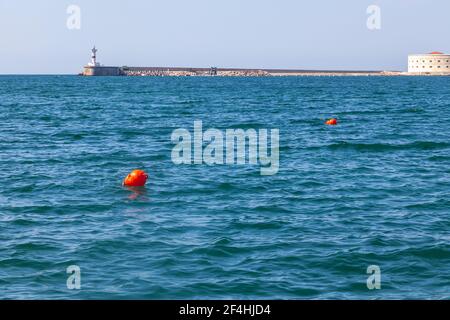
374,190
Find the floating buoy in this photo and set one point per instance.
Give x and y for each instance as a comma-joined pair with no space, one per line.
137,178
331,122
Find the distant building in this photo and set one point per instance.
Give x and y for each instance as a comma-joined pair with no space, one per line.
434,63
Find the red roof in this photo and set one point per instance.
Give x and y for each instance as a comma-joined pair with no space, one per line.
436,52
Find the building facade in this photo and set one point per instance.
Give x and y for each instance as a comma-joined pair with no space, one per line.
431,63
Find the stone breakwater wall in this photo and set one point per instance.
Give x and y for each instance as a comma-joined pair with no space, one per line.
192,72
101,71
224,72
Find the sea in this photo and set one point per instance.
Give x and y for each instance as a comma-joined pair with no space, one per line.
360,210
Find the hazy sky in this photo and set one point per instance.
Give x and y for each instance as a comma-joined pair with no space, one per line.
309,34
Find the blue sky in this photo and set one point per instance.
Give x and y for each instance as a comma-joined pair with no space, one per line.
313,34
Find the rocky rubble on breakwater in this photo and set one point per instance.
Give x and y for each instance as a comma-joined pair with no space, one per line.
188,73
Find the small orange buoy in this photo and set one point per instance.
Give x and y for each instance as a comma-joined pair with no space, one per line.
137,178
331,122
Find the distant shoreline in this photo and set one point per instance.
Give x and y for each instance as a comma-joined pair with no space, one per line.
279,74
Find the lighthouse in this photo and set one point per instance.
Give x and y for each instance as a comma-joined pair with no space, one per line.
94,62
94,68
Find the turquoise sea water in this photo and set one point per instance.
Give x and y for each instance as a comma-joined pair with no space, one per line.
374,190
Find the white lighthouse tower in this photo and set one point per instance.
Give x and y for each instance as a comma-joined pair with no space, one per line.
94,62
94,68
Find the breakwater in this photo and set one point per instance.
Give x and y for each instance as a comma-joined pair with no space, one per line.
223,72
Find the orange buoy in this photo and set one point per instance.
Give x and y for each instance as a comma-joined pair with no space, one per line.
137,178
331,122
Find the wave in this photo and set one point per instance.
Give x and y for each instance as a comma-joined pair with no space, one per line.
417,145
